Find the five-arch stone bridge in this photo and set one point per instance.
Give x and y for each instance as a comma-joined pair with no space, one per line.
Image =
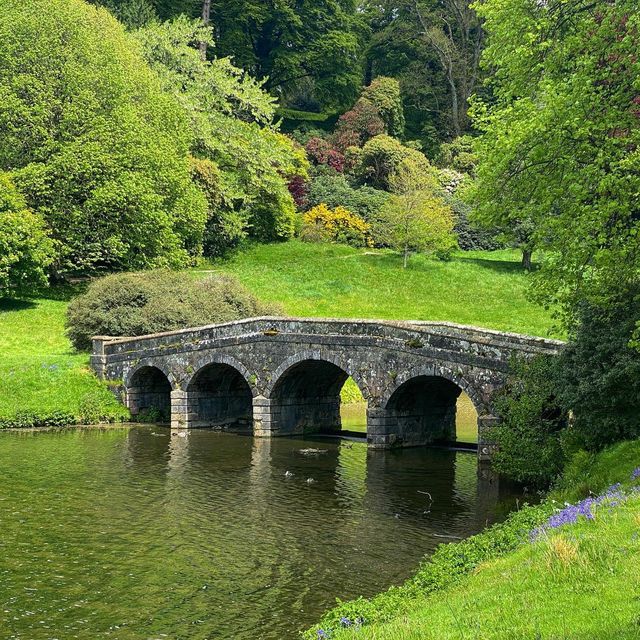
283,376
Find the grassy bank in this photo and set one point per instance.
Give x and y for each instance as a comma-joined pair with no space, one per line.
41,375
480,288
576,576
42,381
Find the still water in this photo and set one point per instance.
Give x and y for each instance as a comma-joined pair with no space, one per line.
141,534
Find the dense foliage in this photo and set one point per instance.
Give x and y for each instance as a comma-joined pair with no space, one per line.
529,439
99,151
25,250
559,154
133,304
242,162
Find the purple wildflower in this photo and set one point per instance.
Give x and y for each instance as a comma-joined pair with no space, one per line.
321,633
345,622
635,474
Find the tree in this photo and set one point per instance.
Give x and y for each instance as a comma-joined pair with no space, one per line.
295,47
99,151
25,249
561,141
232,120
414,218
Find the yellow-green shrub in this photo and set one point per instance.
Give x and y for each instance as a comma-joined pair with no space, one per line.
335,225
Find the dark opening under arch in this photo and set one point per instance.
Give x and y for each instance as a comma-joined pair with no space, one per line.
149,395
219,396
423,410
306,398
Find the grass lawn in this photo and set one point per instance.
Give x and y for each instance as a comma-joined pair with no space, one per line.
479,288
580,583
40,373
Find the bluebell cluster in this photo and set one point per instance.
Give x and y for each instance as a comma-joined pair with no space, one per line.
613,496
344,623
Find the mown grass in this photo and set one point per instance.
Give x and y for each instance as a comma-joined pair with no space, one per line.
579,581
486,289
40,373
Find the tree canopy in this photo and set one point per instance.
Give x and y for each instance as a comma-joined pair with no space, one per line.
99,151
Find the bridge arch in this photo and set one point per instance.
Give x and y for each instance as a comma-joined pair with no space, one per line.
304,393
421,407
219,394
148,391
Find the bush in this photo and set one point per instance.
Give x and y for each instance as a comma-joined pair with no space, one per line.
381,157
133,304
337,225
335,191
530,437
599,372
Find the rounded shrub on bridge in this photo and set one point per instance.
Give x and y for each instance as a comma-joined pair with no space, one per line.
134,304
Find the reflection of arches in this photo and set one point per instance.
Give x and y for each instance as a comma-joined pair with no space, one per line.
149,393
218,395
305,395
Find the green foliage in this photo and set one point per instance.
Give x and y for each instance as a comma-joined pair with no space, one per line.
133,304
381,157
560,145
134,14
384,94
25,249
31,420
459,155
529,438
600,372
415,217
94,144
232,124
336,191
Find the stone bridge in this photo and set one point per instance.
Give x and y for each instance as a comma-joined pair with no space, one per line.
283,376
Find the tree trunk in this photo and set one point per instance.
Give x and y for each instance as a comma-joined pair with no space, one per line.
406,257
526,259
206,20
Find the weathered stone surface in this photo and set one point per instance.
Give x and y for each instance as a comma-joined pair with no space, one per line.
284,375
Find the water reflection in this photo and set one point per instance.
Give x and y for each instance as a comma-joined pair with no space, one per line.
142,532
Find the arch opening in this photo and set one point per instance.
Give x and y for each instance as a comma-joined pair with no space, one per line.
149,395
423,410
307,399
219,396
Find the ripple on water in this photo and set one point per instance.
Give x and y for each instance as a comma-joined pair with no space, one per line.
131,534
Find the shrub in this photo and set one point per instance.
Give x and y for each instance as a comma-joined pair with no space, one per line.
133,304
384,93
529,439
335,191
381,157
337,225
599,372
